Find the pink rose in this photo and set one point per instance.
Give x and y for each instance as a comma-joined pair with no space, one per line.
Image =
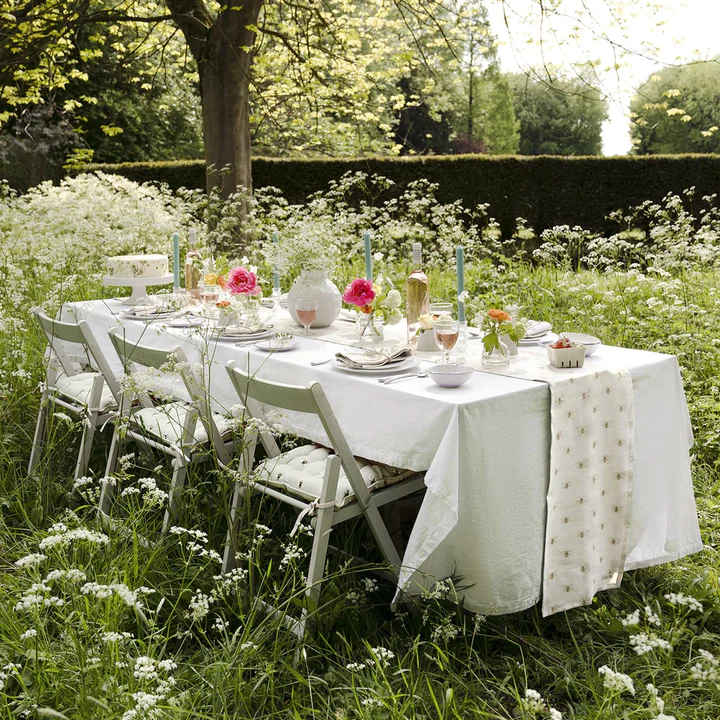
243,282
359,292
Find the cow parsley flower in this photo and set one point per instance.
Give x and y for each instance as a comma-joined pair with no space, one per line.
616,682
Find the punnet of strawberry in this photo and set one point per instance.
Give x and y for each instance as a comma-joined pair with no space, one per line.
562,343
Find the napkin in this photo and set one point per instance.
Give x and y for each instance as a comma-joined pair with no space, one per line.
536,328
361,360
240,330
145,310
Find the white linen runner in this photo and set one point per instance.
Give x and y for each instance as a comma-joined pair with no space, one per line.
591,476
591,471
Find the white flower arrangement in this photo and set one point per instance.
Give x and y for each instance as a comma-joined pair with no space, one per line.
305,246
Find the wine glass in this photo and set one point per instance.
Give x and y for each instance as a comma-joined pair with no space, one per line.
209,293
306,310
447,332
440,309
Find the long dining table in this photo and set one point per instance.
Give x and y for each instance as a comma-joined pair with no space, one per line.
484,448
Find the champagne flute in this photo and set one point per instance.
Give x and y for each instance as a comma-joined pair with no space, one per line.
447,332
306,310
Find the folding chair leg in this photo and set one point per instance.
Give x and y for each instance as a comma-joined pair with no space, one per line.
113,454
39,437
176,486
382,537
85,446
321,538
234,525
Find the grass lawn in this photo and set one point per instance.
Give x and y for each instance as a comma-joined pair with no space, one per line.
129,624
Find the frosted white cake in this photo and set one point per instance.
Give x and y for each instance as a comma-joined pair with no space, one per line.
137,266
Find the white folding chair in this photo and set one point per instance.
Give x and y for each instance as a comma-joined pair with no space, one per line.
186,431
74,386
328,484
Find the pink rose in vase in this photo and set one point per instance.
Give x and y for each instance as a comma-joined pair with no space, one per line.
359,292
241,281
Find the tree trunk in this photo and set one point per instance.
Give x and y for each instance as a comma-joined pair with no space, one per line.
223,49
225,91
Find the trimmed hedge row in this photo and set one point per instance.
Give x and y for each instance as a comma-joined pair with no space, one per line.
545,190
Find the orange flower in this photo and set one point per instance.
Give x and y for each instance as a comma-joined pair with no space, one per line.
499,315
222,304
222,282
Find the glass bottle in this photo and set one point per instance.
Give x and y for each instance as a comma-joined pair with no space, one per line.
418,293
192,269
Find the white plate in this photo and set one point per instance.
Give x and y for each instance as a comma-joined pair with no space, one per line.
249,337
411,362
129,315
272,345
539,340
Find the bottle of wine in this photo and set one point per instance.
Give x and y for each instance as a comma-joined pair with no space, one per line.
418,293
192,263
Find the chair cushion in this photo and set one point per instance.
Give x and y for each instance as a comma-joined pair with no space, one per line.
166,422
301,471
78,388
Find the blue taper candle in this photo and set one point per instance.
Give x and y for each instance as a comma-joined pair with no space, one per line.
176,261
460,257
276,274
368,256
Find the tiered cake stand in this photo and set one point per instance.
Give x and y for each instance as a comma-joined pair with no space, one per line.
139,285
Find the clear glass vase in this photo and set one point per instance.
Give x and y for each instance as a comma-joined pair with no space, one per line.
497,356
370,328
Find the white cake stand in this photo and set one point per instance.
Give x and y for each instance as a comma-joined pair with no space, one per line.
139,285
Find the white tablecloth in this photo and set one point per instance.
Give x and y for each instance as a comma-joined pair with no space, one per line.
485,449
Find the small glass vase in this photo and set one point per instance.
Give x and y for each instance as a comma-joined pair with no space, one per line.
370,328
497,356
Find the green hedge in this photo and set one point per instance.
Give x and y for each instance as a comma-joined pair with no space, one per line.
545,190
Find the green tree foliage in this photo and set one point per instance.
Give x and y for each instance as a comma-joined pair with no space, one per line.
563,117
677,111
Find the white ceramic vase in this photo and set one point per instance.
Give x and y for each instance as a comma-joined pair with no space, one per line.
316,285
426,341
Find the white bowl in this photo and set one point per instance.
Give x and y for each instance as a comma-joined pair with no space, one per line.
589,341
450,376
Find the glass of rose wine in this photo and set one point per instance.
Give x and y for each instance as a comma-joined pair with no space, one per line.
306,310
447,332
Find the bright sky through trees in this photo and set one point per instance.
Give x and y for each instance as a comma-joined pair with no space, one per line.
689,31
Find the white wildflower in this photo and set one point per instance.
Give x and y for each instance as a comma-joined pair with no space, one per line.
248,646
30,560
199,606
61,537
355,667
616,681
31,633
652,617
371,702
220,625
632,619
370,585
532,702
678,599
381,656
647,642
555,714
